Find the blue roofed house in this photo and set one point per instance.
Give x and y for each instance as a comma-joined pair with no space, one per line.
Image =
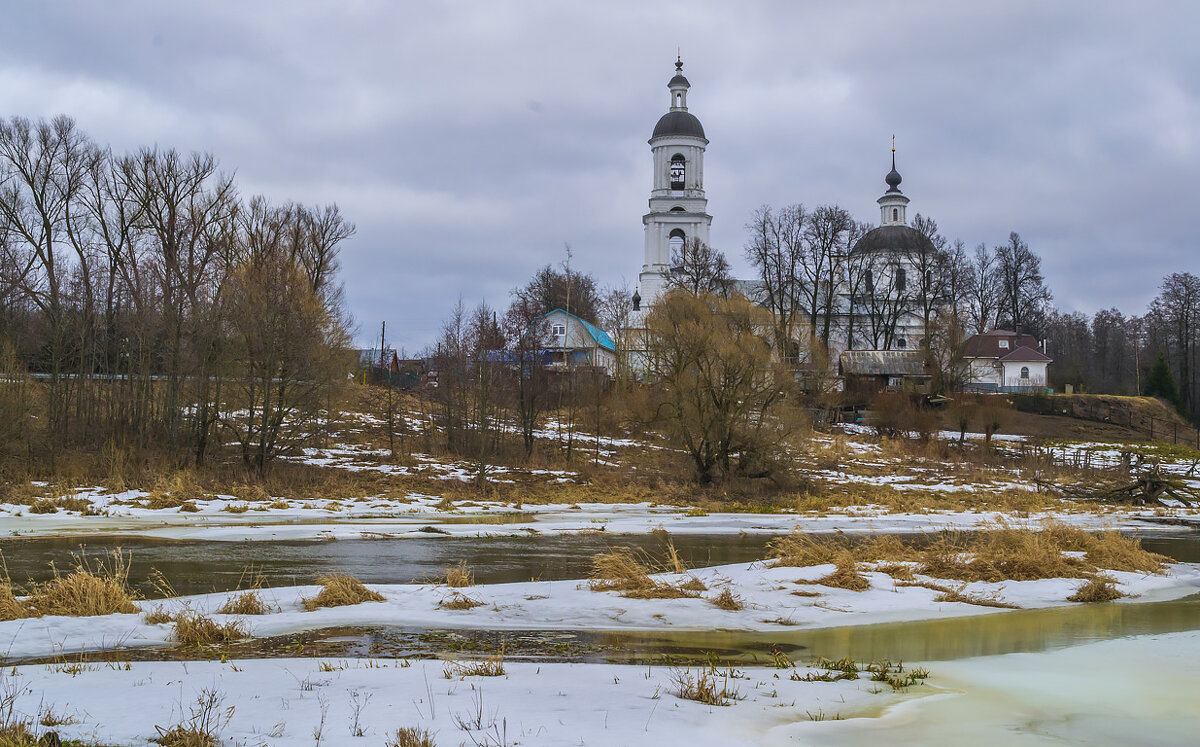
575,342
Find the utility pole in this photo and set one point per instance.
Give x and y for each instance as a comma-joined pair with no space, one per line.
387,374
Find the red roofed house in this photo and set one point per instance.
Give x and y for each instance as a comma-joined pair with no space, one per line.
1005,361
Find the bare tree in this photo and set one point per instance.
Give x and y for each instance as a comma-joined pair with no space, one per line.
823,252
698,268
887,298
1175,312
984,290
43,166
285,351
776,249
530,391
1024,297
929,264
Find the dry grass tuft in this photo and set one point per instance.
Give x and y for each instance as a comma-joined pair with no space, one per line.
43,506
801,550
185,736
410,736
459,601
12,608
17,734
189,507
87,591
898,571
339,590
707,686
621,571
493,666
1097,589
459,576
961,597
253,492
997,553
245,603
845,576
195,629
728,601
158,616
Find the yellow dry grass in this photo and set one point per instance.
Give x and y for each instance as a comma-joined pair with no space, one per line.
99,589
958,595
410,736
1097,589
623,572
995,553
195,629
12,608
801,550
459,576
459,601
17,734
728,601
244,603
845,576
184,736
493,666
339,590
157,616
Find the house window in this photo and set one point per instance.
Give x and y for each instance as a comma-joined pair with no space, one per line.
1024,372
677,171
559,330
1004,344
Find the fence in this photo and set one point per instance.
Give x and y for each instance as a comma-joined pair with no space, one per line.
1101,410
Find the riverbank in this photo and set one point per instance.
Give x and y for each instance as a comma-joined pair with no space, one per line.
745,596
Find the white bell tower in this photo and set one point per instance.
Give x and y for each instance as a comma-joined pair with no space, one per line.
678,207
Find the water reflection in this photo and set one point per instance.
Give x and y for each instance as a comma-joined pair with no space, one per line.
198,567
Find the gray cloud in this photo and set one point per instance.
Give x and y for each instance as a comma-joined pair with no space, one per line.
470,141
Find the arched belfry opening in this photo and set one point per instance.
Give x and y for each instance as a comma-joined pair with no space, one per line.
678,171
675,240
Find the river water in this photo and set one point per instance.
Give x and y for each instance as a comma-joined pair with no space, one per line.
194,567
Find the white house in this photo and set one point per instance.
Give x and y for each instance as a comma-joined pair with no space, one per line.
575,342
1005,361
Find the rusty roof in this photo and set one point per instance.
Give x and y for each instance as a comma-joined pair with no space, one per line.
883,363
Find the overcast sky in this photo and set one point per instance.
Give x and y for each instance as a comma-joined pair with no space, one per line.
470,141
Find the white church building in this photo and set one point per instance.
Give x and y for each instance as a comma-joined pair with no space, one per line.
678,212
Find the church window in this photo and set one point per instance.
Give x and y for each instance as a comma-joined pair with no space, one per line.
1024,372
870,281
678,209
895,214
678,169
901,343
901,280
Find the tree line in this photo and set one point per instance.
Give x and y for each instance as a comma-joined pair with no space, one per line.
820,288
146,304
817,290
